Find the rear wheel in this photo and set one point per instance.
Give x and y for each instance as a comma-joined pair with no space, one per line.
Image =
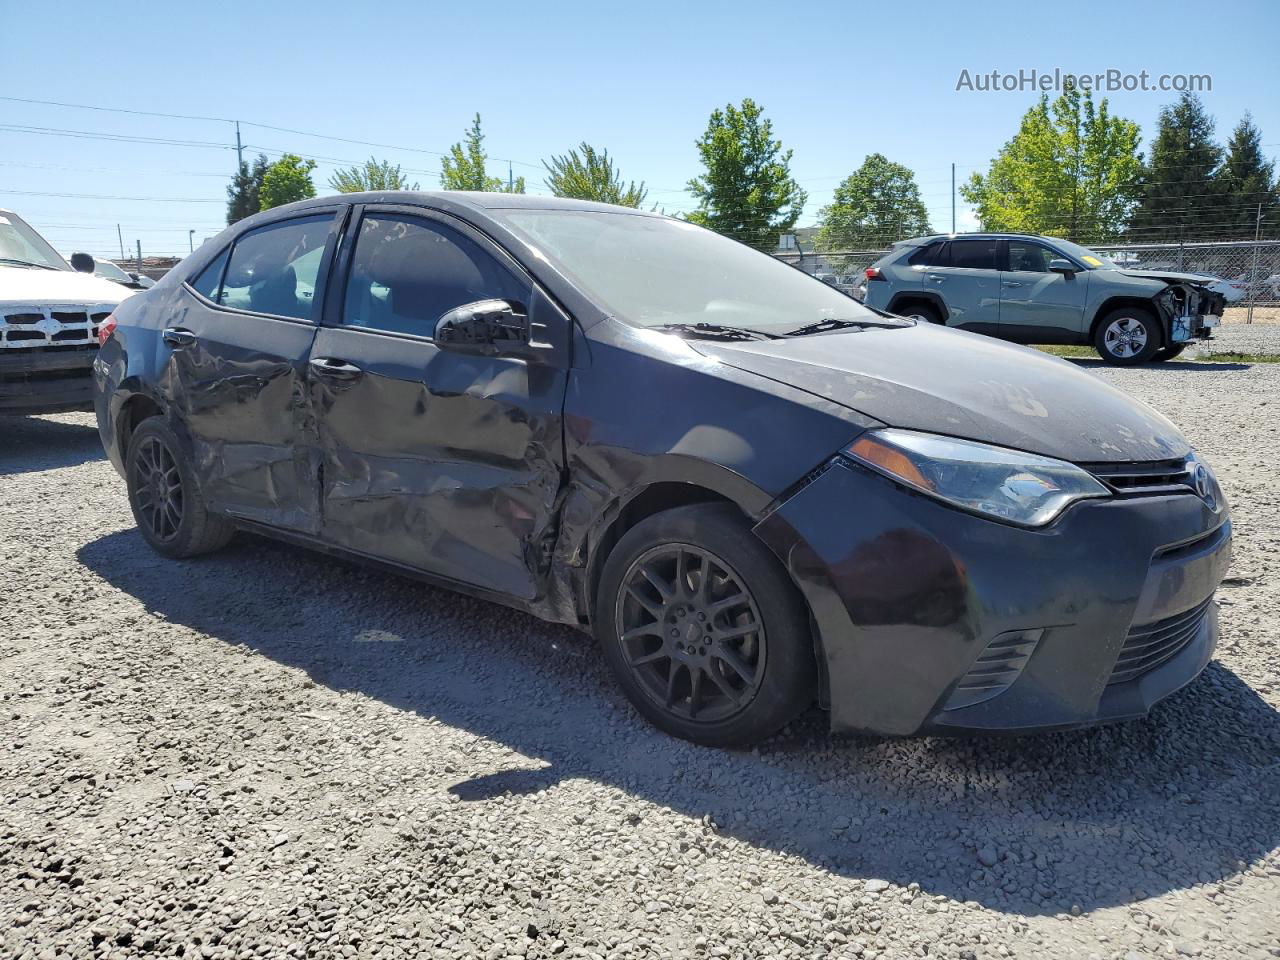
166,501
1167,353
703,629
1127,336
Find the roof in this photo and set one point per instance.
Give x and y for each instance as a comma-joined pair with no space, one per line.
475,199
976,235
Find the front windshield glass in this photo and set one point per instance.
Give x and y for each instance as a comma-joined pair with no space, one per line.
19,242
1090,258
653,271
107,269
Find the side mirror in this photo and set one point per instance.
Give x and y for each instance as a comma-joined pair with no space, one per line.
1058,265
82,263
485,326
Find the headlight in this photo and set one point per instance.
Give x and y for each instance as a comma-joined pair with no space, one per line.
1009,485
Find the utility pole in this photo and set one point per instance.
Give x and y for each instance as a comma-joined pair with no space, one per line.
239,149
1253,271
511,183
953,198
191,241
139,256
120,237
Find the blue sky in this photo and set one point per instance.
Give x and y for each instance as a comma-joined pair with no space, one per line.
839,81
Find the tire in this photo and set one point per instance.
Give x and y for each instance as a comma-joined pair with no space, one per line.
165,499
1168,353
921,312
1127,336
752,659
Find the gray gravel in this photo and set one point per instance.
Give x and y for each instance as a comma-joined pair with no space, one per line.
268,753
1261,339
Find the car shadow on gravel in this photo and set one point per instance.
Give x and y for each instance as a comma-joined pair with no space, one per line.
35,444
1033,825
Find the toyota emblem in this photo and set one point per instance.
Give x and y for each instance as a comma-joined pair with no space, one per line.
1204,485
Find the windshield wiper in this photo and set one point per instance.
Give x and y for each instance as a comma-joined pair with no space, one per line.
831,323
26,263
716,331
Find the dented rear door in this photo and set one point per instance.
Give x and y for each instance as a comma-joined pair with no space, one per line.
443,461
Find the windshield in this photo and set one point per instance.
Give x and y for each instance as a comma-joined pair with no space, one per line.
1090,258
19,242
107,269
654,271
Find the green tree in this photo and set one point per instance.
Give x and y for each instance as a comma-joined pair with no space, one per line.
1072,170
464,167
1247,181
747,191
1181,195
287,180
584,174
374,175
243,191
876,204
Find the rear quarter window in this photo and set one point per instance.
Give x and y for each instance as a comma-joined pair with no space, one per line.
930,255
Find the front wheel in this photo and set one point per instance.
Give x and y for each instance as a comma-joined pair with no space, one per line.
1127,336
703,629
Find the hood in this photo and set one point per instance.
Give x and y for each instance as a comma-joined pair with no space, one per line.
33,287
1167,276
933,378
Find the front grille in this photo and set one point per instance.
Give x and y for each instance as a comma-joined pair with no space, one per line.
1149,478
1151,644
30,326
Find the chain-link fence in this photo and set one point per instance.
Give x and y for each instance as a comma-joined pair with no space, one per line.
1248,271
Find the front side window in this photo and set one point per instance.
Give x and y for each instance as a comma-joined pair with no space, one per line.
1029,257
406,273
974,254
276,269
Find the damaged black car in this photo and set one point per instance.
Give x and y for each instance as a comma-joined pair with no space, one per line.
757,493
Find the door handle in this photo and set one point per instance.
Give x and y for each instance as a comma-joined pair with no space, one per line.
937,276
335,369
1012,283
177,337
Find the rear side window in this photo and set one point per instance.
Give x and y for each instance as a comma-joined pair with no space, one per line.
210,278
974,254
407,273
927,256
276,269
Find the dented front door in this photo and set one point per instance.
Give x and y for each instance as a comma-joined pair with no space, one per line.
443,461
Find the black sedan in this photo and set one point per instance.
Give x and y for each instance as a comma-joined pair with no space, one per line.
756,492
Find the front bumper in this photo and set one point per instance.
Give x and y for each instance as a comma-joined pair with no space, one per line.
46,381
908,594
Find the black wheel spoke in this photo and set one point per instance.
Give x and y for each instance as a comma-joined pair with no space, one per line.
734,632
734,662
695,690
665,590
659,654
655,609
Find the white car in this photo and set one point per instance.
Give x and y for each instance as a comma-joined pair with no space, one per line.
50,315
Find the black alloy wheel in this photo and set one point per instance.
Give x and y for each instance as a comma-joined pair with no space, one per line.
168,505
703,627
157,488
691,632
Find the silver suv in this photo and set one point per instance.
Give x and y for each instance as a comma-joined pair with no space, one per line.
1031,289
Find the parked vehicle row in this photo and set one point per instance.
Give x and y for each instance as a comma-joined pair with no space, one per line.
1031,289
50,314
755,492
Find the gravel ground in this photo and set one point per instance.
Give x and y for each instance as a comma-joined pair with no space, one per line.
1257,338
268,753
